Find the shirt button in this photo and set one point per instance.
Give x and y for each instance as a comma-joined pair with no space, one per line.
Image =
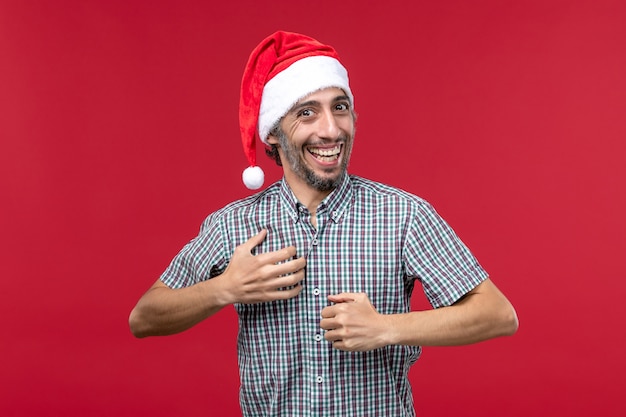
315,242
316,291
318,337
319,379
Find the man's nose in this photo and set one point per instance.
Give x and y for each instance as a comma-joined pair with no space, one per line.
328,127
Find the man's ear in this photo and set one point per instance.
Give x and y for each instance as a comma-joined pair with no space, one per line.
271,139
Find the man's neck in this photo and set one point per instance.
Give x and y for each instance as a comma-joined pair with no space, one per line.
308,196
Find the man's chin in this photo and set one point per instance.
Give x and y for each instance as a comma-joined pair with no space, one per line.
326,182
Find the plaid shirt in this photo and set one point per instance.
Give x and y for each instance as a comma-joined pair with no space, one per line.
370,238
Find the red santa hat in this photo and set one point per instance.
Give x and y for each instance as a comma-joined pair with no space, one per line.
284,68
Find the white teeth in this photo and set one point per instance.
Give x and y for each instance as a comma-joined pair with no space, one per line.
325,152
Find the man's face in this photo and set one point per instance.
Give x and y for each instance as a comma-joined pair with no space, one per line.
315,140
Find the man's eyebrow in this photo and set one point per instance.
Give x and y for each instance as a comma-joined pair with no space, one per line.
341,98
308,103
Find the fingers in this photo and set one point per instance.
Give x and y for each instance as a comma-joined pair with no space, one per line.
289,280
268,257
266,276
329,323
277,256
339,299
279,262
245,251
344,297
280,281
350,322
328,312
332,336
335,334
288,267
287,293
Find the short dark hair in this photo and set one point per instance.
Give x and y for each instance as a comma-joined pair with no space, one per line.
271,150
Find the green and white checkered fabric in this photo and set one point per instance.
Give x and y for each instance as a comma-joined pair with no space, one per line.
370,238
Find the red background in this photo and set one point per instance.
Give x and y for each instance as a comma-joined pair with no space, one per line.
119,134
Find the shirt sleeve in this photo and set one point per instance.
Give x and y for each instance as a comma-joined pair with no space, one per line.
200,259
434,255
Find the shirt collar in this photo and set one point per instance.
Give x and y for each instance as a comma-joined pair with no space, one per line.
335,204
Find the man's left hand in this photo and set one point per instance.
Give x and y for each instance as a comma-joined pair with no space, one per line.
353,324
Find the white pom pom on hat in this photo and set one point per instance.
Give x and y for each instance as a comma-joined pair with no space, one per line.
284,68
253,177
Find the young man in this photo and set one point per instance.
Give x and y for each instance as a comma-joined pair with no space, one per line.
321,265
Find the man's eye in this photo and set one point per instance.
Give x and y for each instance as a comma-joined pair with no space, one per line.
341,106
305,113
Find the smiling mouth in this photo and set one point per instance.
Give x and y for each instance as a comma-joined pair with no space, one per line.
325,154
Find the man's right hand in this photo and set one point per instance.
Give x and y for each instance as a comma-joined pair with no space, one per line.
247,279
250,279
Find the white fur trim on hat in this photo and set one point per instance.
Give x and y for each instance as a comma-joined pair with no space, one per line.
297,81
